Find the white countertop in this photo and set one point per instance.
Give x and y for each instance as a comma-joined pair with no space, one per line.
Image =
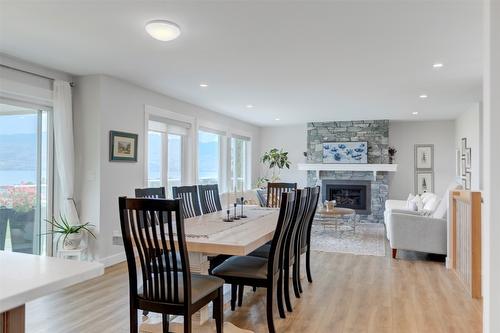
25,277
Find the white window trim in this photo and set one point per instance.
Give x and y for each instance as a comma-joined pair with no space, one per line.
188,142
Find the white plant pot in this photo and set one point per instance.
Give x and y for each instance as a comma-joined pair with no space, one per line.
72,241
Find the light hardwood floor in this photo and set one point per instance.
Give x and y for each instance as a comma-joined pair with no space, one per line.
349,294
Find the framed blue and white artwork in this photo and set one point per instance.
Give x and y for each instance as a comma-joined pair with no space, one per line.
345,152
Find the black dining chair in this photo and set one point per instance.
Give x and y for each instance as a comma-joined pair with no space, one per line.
190,200
305,233
291,248
209,198
274,191
261,272
151,193
170,290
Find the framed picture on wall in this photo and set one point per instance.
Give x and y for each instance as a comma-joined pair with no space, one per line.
424,157
122,146
424,182
467,180
464,146
468,158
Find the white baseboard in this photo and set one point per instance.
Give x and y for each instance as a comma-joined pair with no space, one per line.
113,260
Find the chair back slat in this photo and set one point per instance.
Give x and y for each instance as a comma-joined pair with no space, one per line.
158,245
275,190
284,219
305,229
209,198
151,193
299,215
190,200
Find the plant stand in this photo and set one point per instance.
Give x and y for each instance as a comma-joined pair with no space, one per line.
70,254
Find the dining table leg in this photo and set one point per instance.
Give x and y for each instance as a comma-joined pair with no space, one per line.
13,321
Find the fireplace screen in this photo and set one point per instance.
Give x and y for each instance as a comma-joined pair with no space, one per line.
349,196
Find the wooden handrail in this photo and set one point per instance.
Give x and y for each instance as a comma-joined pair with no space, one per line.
465,231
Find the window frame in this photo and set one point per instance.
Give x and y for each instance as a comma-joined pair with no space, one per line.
173,119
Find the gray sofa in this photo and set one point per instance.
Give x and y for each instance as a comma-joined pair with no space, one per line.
423,231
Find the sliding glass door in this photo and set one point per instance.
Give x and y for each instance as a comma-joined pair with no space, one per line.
24,179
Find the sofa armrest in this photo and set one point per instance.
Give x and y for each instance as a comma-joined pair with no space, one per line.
418,233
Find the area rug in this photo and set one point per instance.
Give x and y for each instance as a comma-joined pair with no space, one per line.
368,239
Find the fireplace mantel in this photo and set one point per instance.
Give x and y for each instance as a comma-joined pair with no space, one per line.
347,167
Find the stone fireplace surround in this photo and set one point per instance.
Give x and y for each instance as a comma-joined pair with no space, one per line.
376,133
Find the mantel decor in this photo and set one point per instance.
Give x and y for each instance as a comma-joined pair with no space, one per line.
122,146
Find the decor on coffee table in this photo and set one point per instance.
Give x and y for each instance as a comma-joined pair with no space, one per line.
345,152
122,146
424,168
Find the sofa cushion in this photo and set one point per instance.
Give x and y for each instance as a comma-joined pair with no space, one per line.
431,204
441,211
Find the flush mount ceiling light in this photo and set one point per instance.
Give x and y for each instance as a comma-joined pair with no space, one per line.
163,30
249,106
423,96
203,85
438,65
277,119
415,113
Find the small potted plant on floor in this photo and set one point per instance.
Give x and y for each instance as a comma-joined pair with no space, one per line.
71,234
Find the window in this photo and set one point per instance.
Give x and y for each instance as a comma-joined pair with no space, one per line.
155,156
239,164
209,157
165,155
174,161
25,171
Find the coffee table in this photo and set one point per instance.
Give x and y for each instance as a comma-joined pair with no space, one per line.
336,218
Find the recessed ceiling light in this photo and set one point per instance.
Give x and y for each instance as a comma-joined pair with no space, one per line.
423,96
438,65
163,30
249,106
203,85
414,113
277,119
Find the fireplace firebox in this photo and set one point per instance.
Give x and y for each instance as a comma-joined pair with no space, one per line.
352,194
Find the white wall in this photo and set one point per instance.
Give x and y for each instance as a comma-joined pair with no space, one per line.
404,136
491,194
469,125
120,106
292,139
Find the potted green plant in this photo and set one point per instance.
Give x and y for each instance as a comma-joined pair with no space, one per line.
276,160
72,234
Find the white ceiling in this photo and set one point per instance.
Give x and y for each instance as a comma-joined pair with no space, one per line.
297,61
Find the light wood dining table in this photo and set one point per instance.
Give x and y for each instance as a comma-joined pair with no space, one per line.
207,235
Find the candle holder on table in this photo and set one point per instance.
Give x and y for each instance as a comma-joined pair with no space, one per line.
235,217
228,218
242,216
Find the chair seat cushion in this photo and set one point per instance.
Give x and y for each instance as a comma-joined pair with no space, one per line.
262,252
243,267
201,285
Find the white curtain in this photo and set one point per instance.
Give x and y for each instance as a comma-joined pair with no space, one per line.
64,150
